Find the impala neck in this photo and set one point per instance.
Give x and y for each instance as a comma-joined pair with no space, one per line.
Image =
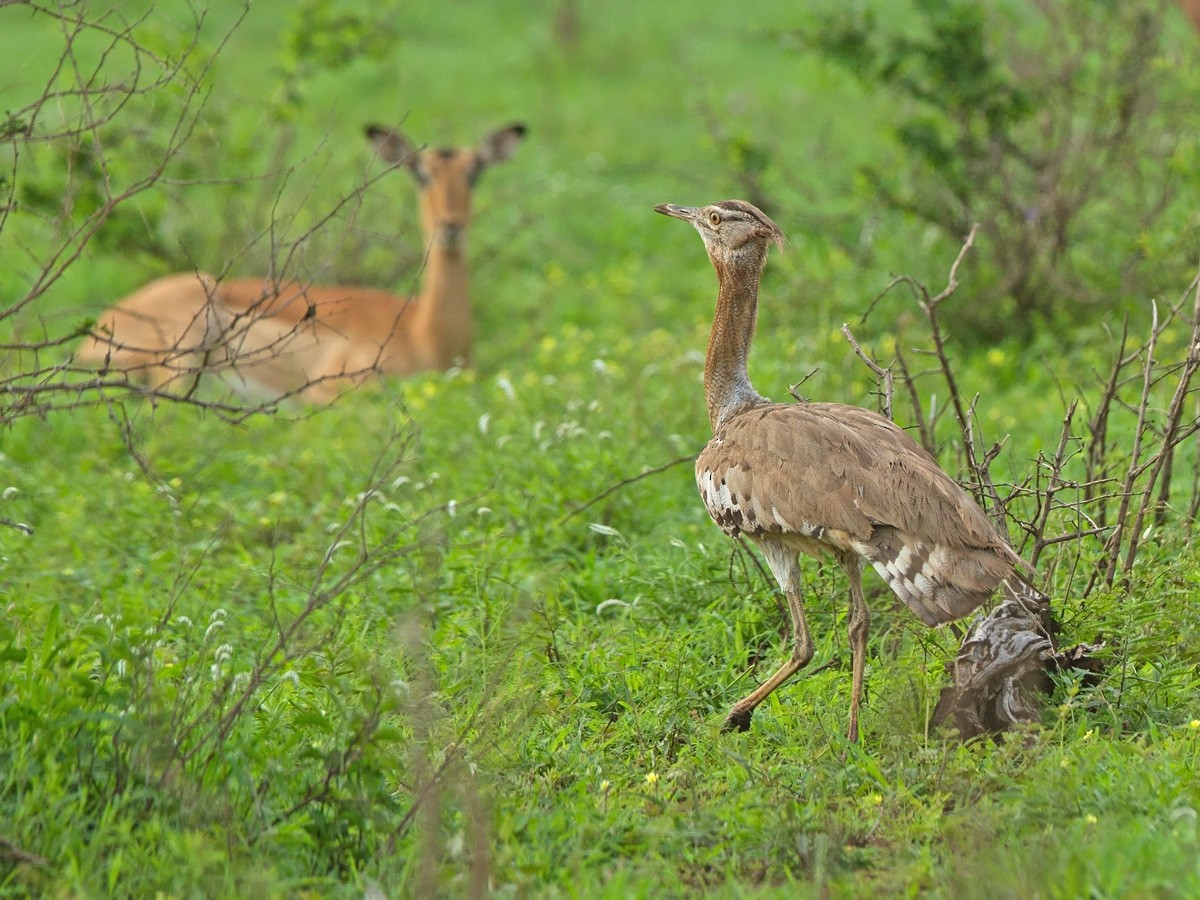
443,313
727,386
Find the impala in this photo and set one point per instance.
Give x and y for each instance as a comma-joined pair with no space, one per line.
276,339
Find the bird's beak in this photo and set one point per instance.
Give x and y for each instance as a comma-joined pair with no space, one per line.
687,213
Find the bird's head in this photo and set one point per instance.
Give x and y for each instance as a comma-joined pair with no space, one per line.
732,230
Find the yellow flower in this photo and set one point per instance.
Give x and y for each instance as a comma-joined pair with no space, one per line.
605,785
1194,724
996,357
651,778
1090,819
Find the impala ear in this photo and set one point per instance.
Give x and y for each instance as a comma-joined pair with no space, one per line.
391,145
501,144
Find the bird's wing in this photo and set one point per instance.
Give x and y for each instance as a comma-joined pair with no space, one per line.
855,481
842,467
767,471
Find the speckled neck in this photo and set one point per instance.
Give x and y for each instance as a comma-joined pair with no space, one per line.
727,386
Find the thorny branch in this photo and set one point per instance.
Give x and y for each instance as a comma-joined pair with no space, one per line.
1173,433
625,482
1009,645
884,375
96,92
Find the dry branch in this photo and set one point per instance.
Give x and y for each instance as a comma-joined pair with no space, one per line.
1006,657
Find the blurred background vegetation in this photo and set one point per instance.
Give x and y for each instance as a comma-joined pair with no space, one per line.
875,133
204,691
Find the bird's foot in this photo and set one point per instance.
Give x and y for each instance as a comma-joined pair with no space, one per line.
737,720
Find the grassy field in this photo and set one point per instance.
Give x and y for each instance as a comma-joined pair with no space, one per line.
392,647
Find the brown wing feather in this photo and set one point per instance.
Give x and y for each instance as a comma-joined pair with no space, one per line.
831,476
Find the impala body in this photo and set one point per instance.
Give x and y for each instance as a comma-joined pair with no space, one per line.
274,339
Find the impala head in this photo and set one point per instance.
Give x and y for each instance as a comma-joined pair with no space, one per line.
734,231
445,175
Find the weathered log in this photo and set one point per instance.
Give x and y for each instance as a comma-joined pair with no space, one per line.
1002,669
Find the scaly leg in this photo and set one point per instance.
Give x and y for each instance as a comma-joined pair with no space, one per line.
860,623
787,573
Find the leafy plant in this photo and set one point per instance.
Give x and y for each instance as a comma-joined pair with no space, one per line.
1058,127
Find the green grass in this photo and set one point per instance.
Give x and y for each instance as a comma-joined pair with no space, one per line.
486,686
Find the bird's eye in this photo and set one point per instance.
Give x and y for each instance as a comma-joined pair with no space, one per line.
714,218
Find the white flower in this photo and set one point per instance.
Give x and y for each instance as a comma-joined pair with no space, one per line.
611,601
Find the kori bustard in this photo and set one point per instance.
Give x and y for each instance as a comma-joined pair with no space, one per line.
827,478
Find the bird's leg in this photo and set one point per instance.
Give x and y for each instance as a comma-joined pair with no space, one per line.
860,623
802,651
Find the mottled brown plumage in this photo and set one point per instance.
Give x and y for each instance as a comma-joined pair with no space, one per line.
821,478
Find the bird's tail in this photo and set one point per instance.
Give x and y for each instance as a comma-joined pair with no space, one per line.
937,582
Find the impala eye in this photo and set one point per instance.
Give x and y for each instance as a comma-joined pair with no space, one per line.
714,218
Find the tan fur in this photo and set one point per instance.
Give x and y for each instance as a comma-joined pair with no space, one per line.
161,335
1192,8
316,340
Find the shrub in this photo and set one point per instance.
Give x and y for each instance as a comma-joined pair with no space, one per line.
1064,134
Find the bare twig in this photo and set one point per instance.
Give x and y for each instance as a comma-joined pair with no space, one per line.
794,389
1165,454
1053,485
884,375
1113,545
625,482
15,853
924,428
